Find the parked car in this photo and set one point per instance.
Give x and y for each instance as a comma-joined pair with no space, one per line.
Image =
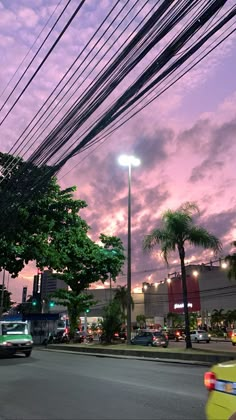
200,335
117,336
151,338
233,337
220,382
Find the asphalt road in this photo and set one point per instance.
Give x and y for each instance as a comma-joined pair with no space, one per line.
62,386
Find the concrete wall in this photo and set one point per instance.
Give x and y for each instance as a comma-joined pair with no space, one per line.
156,300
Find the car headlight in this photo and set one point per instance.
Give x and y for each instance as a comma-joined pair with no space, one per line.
29,342
6,343
209,335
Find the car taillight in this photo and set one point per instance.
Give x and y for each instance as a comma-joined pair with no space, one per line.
178,333
210,381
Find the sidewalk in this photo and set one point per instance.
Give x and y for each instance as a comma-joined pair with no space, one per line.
193,356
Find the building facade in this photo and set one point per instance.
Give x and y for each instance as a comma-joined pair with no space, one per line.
208,288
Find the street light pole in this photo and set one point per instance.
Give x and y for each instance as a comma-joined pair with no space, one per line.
129,161
129,279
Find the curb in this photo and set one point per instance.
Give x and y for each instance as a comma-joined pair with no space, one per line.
144,359
204,359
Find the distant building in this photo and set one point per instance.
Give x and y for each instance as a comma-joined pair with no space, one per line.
45,284
103,297
49,284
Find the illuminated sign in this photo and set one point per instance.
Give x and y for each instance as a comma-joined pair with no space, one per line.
181,305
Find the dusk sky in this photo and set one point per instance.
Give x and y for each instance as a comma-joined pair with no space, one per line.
185,139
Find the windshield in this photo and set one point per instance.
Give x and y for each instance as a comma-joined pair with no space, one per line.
201,331
14,328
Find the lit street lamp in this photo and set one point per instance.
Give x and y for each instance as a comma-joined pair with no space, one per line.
129,161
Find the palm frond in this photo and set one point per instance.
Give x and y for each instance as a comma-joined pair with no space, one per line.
154,238
199,236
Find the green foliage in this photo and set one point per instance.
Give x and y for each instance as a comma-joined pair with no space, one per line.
176,319
33,208
217,317
178,229
80,261
76,304
121,296
231,263
141,320
112,320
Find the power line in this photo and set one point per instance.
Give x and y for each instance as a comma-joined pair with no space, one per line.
30,49
44,59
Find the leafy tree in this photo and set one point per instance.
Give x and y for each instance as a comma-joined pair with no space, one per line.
121,296
178,229
33,208
79,262
112,320
231,263
76,304
141,320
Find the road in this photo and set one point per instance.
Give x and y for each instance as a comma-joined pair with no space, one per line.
63,386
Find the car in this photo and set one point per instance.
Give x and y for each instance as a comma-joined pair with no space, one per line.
233,337
151,338
200,335
220,381
15,338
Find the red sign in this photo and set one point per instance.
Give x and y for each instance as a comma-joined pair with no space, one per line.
175,295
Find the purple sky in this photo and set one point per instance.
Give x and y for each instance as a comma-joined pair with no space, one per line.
185,139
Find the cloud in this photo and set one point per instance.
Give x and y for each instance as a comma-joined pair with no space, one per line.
206,167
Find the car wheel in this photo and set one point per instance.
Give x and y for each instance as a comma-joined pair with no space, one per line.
233,344
207,341
149,344
27,353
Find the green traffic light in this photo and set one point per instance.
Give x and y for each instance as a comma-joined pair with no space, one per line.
51,304
34,303
87,311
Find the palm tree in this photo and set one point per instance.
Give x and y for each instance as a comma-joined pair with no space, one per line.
177,230
230,317
76,304
217,317
231,262
141,320
121,296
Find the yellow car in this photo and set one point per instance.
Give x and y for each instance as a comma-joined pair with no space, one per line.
221,384
233,337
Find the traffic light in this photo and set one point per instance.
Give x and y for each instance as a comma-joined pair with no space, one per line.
51,303
34,302
87,310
